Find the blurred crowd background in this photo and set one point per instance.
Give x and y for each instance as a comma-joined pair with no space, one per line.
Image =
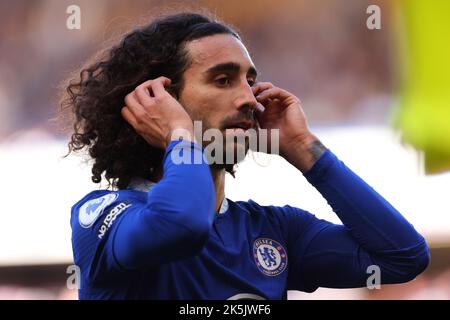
321,51
347,76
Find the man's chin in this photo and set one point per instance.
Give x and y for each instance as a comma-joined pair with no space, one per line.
233,154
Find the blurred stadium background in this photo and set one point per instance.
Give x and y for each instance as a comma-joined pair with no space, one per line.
377,98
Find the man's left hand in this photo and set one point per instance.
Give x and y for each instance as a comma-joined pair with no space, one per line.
283,111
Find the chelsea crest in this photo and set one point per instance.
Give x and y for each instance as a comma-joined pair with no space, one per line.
270,256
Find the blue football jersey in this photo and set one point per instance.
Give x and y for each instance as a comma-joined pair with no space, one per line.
165,240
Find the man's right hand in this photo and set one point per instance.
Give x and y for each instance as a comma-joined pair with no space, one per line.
156,115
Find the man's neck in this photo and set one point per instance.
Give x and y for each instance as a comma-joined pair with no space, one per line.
218,176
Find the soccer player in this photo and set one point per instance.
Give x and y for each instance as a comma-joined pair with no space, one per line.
165,230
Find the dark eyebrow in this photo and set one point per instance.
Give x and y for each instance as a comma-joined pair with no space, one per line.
230,67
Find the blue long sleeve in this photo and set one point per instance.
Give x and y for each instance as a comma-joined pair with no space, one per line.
163,243
373,233
175,221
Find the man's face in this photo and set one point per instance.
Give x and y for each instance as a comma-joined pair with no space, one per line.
217,87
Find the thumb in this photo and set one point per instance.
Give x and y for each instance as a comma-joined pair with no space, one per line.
259,109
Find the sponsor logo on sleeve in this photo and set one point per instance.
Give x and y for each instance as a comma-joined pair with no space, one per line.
92,209
111,217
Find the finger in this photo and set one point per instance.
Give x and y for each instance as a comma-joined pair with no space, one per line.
273,93
259,112
144,93
134,105
259,109
131,99
261,86
159,85
129,117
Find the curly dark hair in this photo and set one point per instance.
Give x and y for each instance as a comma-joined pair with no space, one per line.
95,98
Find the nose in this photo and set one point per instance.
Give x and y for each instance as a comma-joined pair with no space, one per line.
245,100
